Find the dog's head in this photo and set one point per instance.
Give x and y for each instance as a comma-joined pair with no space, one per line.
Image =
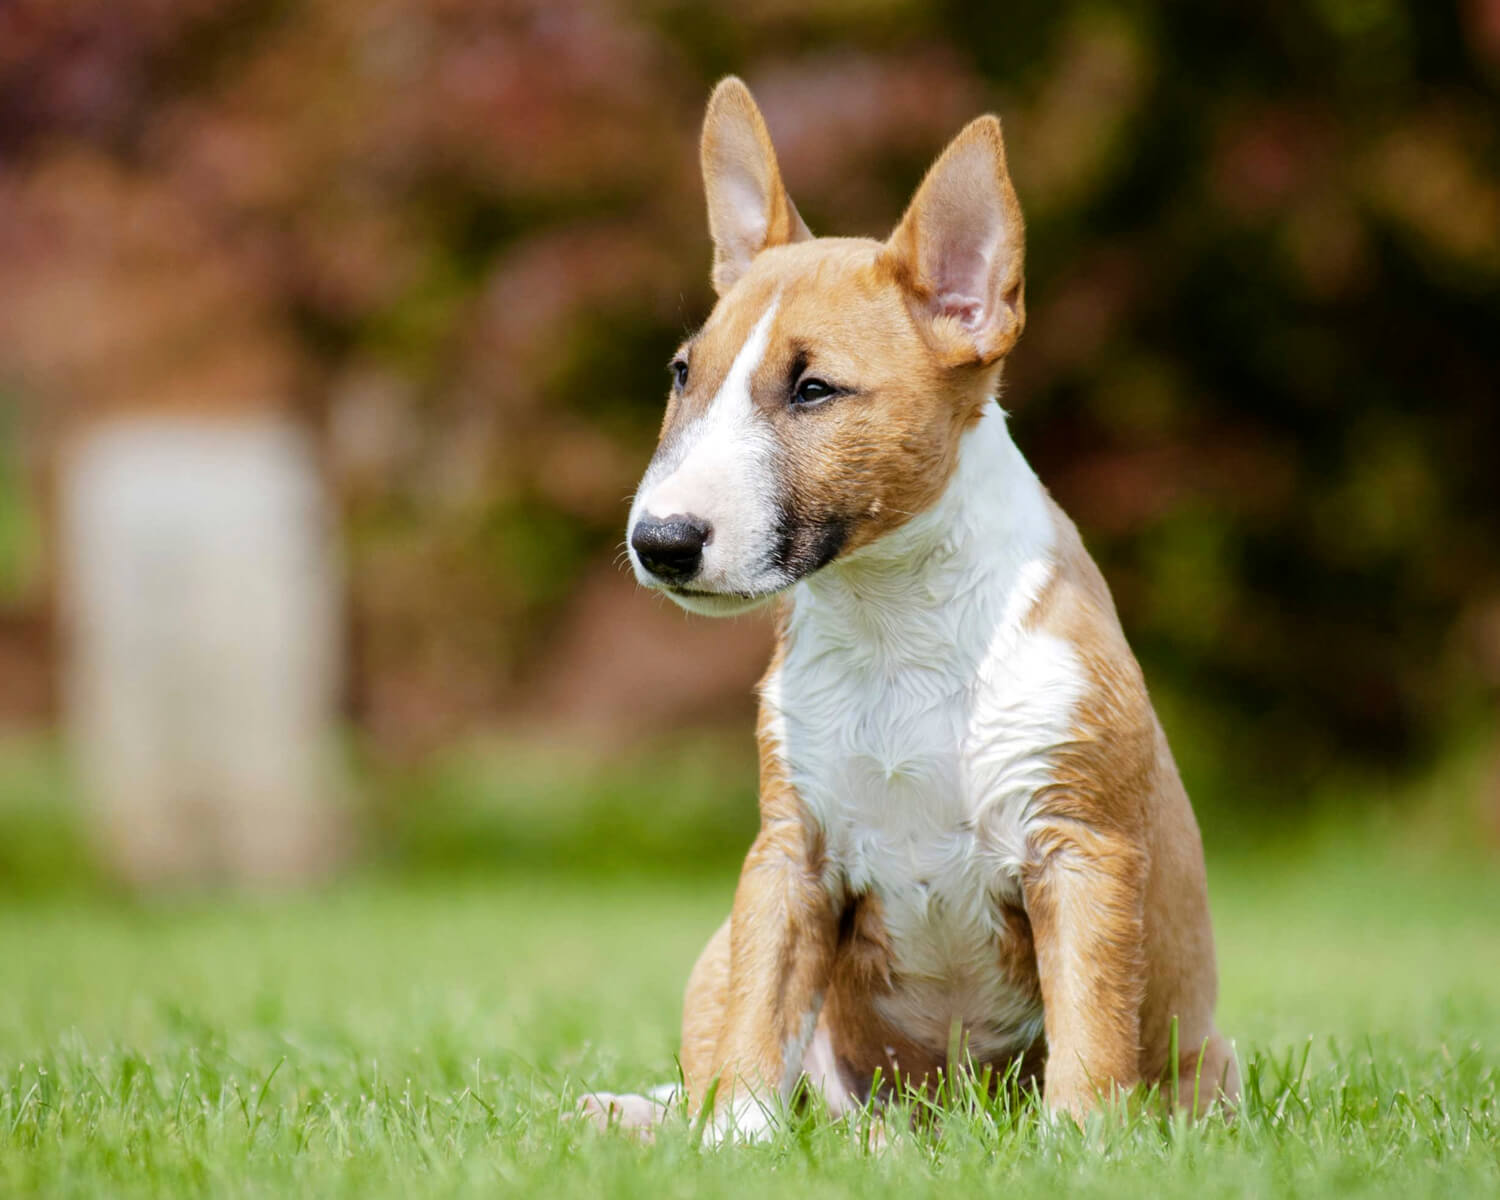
821,405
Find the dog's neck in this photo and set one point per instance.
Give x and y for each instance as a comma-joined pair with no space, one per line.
938,591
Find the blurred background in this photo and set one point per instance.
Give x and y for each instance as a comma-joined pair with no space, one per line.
332,344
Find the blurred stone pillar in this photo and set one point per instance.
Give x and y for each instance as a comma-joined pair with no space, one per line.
201,616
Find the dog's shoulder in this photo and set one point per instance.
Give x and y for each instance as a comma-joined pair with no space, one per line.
1107,771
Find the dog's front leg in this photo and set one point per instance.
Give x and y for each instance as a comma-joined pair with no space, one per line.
1085,893
782,939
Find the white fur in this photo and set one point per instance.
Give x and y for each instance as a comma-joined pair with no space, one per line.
746,1118
916,715
795,1048
721,469
820,1065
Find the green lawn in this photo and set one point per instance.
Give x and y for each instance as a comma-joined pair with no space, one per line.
407,1036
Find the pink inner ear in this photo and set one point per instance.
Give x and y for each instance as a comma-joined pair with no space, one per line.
962,275
968,311
745,200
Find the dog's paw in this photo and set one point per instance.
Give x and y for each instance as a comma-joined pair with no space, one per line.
631,1112
744,1119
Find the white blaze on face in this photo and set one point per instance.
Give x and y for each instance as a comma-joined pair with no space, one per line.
720,469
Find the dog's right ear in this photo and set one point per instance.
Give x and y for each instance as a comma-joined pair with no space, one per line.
748,207
959,251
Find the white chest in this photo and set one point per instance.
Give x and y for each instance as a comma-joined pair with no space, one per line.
917,772
917,711
919,777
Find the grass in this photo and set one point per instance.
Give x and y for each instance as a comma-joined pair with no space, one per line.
421,1032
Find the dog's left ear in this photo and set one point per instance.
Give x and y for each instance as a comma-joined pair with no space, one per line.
748,207
959,250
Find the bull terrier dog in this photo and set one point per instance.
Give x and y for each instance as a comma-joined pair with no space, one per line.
972,831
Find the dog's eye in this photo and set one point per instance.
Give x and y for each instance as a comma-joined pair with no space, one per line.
679,373
813,391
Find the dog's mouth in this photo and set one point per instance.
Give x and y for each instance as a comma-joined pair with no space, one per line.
719,604
699,592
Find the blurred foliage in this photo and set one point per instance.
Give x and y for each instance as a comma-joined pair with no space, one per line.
671,811
683,809
19,535
679,809
43,847
1264,291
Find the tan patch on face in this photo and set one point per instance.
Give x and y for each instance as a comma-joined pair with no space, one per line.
856,466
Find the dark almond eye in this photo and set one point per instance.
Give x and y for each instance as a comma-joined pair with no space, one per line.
679,370
813,391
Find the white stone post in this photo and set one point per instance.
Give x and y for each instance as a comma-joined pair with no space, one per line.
201,622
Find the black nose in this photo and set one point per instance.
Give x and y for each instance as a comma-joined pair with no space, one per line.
671,548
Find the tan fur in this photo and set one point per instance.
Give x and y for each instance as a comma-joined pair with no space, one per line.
1114,882
739,161
1114,935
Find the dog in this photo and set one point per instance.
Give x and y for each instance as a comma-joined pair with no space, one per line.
973,839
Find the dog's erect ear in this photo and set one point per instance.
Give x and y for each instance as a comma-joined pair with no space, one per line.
748,208
959,250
